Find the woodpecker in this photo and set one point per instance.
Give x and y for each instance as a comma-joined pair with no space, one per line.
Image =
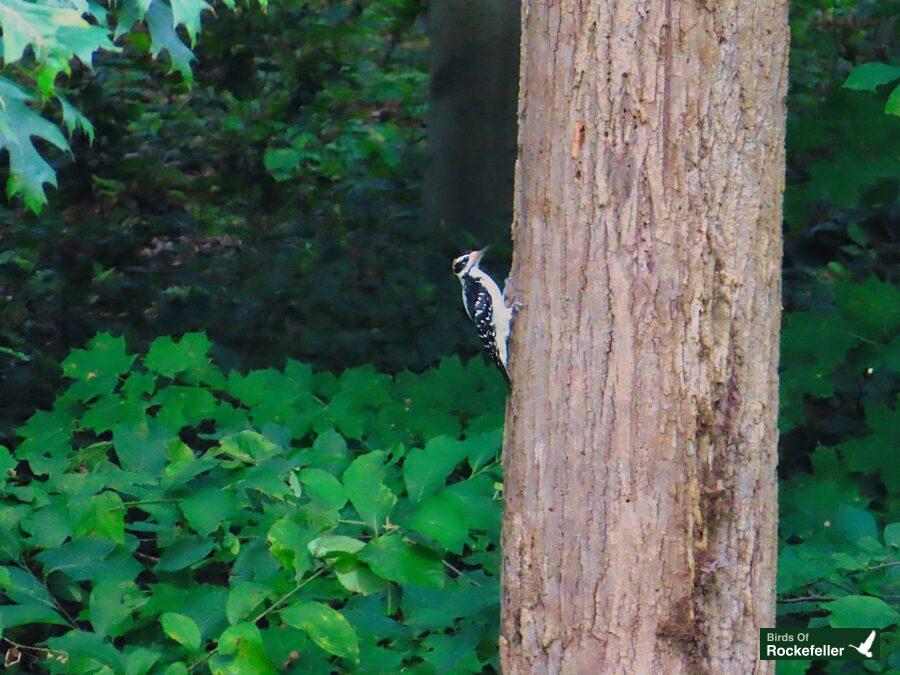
486,306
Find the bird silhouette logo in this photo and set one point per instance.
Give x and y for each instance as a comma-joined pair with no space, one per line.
865,648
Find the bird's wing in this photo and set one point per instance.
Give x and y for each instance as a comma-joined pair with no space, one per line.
869,640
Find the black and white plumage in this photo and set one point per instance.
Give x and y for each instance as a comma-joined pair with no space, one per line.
486,306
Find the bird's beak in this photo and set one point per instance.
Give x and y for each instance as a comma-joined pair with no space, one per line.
477,255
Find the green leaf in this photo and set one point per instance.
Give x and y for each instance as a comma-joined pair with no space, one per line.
103,515
324,487
242,652
892,535
208,508
327,627
869,76
856,523
164,38
364,484
282,162
182,629
111,604
426,471
183,553
442,518
80,559
320,547
288,542
141,446
141,660
100,365
47,440
187,13
12,616
22,587
7,464
169,357
892,107
357,578
860,611
184,406
28,171
243,599
396,560
872,306
248,446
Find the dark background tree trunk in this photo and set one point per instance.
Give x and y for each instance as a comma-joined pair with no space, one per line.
472,116
640,526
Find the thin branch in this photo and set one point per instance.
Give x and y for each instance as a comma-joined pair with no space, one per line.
460,573
808,598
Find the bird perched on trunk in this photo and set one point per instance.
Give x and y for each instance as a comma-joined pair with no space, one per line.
486,306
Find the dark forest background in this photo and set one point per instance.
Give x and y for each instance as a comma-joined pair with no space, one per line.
296,194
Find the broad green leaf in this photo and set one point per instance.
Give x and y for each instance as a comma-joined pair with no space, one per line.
164,38
19,124
396,560
426,471
184,406
248,446
327,627
187,13
873,306
73,120
87,652
242,651
243,599
442,518
7,464
869,76
49,526
892,535
80,559
323,486
892,107
364,485
320,547
141,446
98,367
856,522
185,552
169,357
208,508
182,629
358,578
859,611
141,660
288,542
103,515
22,587
47,441
13,616
111,604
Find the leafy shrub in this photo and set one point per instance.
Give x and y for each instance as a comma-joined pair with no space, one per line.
164,515
839,504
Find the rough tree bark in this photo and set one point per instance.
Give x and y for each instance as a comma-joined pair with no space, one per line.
640,526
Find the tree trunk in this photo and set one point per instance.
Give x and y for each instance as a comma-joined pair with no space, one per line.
640,526
472,116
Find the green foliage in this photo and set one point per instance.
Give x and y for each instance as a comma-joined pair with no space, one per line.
165,515
840,370
173,223
41,42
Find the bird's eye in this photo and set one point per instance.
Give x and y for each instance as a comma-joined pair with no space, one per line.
459,265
